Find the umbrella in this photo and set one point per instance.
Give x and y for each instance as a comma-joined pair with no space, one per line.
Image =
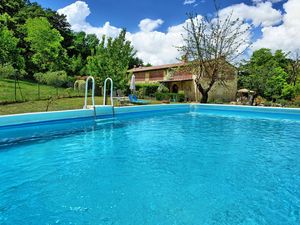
132,83
244,90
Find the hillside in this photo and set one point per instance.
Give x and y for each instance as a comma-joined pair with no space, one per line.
28,91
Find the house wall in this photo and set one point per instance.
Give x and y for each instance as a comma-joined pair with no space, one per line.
187,86
218,92
225,93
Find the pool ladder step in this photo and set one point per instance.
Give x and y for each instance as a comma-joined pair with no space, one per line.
105,121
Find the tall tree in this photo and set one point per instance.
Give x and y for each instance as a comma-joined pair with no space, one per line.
135,61
11,6
59,22
91,43
9,53
45,43
111,59
209,44
267,74
294,74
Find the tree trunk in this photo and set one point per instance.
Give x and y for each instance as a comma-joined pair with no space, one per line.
204,98
204,93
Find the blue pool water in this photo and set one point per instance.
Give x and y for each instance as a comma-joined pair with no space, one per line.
185,168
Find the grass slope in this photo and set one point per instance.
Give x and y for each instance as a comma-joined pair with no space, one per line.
41,106
29,91
67,99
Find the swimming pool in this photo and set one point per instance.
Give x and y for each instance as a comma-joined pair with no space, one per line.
195,165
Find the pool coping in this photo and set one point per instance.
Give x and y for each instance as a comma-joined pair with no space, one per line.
108,111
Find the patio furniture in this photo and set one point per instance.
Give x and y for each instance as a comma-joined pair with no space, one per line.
134,100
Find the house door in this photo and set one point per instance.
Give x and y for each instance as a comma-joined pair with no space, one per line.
174,88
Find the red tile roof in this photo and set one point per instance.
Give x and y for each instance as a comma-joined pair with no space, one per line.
149,68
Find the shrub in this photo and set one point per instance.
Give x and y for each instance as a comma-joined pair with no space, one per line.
181,96
282,102
160,96
297,101
140,93
57,78
288,92
7,71
166,96
268,103
148,89
163,89
39,77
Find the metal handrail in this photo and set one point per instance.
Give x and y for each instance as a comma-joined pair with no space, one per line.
86,91
111,91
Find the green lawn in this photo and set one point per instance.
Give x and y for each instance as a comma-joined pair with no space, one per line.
56,105
41,106
66,99
29,91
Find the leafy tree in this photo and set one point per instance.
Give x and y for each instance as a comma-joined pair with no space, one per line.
281,59
84,44
77,65
275,84
255,73
135,61
9,52
294,73
11,6
288,92
11,62
111,59
91,43
59,22
79,44
269,75
45,43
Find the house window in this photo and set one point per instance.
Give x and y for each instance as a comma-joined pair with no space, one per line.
156,75
140,76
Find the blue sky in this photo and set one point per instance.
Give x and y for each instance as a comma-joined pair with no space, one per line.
128,13
155,26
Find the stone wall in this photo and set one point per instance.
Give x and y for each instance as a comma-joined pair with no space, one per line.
219,92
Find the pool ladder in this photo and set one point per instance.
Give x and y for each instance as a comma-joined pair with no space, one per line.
111,91
111,94
86,92
93,94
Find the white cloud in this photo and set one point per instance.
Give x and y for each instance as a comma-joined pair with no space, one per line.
77,13
152,46
189,2
285,36
261,14
272,1
148,25
158,47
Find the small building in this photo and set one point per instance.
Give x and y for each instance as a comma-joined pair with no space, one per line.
178,80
